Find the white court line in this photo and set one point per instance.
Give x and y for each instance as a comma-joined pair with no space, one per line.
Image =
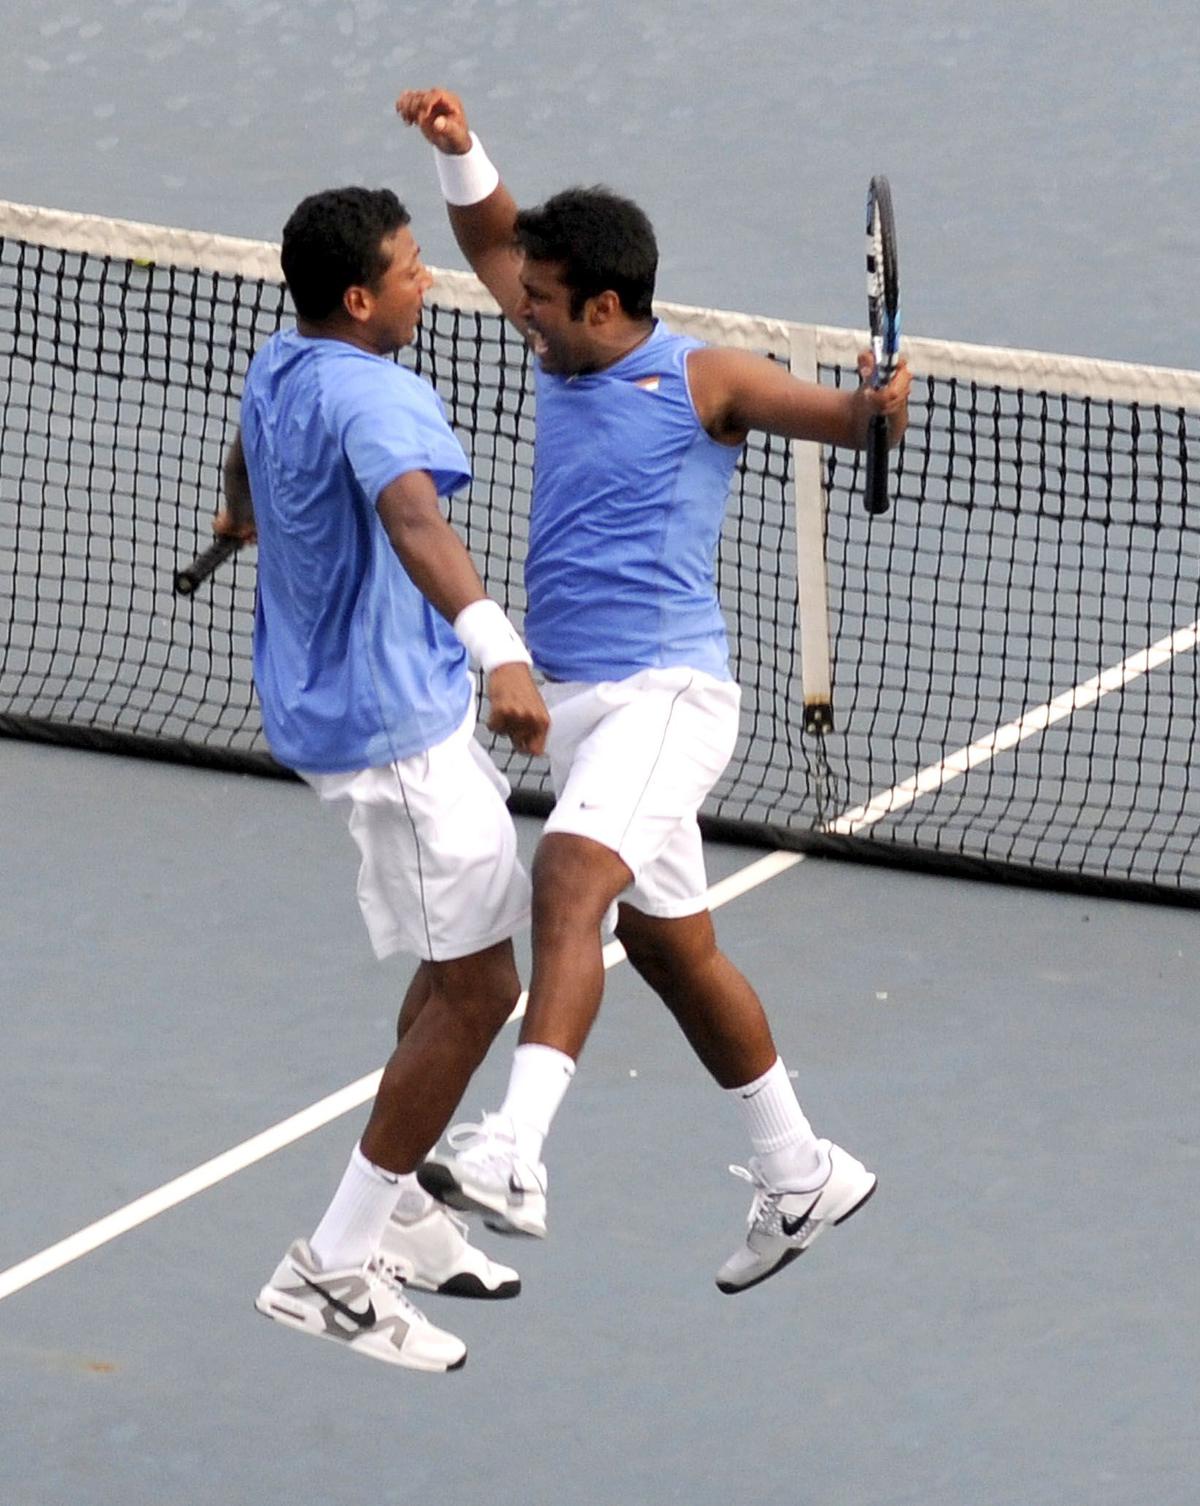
188,1185
1012,733
287,1130
144,1208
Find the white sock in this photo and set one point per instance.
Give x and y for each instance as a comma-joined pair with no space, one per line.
354,1222
783,1140
539,1079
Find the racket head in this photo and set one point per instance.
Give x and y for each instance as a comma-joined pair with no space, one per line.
883,279
883,314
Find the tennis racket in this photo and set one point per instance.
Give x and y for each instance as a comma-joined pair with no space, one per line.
191,577
883,311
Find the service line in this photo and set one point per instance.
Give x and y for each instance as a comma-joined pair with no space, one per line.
259,1146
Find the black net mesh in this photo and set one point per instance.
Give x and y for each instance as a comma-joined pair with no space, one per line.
1036,542
1033,542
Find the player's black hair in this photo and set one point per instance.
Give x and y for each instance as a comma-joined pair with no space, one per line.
601,240
333,241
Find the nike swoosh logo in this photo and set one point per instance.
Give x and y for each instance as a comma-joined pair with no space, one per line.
365,1319
754,1093
792,1226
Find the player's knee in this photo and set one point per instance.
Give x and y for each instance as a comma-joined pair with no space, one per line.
483,991
643,946
666,949
574,882
482,1014
500,992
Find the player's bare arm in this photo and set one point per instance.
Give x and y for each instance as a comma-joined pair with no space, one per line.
483,230
236,519
736,391
440,567
434,556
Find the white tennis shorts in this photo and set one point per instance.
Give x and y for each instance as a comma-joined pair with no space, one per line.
440,876
631,762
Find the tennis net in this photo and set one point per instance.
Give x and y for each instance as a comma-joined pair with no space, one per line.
1010,653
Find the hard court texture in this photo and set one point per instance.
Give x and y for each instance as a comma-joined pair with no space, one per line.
1010,1321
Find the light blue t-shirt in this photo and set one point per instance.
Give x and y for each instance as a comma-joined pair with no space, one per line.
352,665
629,495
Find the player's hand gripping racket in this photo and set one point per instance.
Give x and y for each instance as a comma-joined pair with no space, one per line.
883,310
191,577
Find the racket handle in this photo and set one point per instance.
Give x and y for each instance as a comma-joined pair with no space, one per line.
191,577
875,498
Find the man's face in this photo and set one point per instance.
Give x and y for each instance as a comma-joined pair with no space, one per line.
564,345
399,295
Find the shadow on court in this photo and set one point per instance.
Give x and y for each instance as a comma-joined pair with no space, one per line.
1011,1321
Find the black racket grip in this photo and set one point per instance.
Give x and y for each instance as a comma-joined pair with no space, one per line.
191,577
875,498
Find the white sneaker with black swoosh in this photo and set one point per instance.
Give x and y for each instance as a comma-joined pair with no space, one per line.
363,1308
433,1254
485,1175
783,1222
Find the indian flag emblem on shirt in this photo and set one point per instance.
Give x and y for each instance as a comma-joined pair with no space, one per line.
648,384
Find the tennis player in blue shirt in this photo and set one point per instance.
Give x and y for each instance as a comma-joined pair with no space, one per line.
369,614
638,433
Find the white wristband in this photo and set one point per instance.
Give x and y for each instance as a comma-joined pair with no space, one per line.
469,178
488,636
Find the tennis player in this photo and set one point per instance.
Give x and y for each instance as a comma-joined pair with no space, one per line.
368,610
638,434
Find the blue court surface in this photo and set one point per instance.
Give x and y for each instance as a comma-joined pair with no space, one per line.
1010,1322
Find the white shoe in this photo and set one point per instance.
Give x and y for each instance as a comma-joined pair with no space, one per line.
432,1254
362,1308
485,1175
783,1223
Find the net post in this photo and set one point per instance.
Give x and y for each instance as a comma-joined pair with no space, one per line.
811,585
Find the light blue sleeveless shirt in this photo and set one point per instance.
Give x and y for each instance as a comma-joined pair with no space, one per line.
352,665
629,494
